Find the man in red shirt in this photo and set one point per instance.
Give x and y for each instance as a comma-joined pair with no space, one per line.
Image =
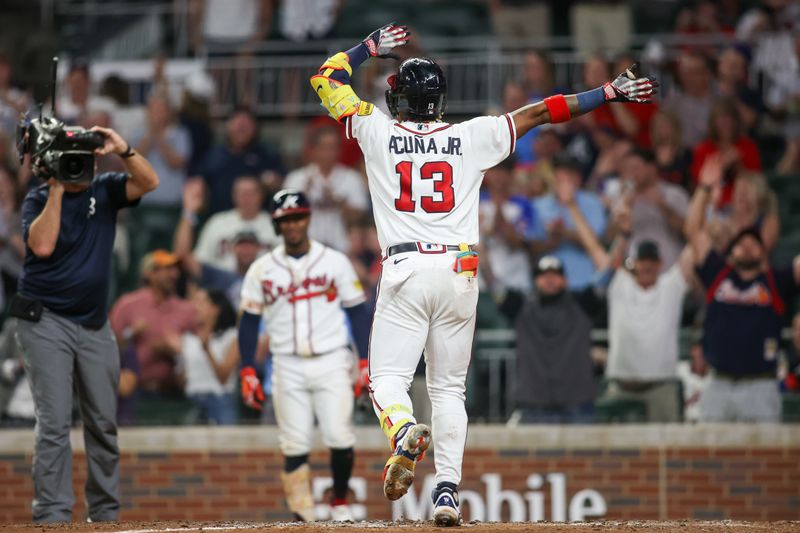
153,318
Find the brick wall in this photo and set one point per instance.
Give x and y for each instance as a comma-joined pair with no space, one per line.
208,476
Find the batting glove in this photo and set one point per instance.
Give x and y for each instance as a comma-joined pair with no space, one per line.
252,392
628,88
382,41
362,382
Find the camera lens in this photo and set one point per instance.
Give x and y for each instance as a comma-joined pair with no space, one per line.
74,166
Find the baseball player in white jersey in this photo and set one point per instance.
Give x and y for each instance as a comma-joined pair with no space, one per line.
424,177
305,293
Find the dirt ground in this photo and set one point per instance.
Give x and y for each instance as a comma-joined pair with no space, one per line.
688,526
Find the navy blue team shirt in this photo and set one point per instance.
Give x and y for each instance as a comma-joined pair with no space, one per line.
744,319
73,282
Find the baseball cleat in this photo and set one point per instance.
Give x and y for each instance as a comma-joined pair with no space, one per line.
410,444
445,506
341,513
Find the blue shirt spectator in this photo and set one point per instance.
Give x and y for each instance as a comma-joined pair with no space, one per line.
744,319
555,228
242,155
507,222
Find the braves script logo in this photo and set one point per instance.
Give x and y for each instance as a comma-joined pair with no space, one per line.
756,294
295,292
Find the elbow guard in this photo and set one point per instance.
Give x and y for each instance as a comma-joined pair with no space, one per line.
337,98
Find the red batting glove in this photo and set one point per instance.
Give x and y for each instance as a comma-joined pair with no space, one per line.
362,382
252,392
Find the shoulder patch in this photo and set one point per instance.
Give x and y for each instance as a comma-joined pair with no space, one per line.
365,108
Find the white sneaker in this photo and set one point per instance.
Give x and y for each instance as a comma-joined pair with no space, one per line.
445,508
398,474
341,513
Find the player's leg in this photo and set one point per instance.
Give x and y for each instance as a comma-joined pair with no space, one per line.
49,361
447,356
333,400
295,417
97,374
397,339
398,336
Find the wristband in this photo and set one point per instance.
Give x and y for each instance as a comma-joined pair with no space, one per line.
127,153
706,188
558,108
590,100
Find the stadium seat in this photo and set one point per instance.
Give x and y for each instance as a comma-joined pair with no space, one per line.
791,407
608,411
173,411
786,249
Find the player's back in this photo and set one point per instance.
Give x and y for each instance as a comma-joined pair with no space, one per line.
425,177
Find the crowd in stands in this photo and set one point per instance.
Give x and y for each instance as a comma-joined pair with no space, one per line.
645,220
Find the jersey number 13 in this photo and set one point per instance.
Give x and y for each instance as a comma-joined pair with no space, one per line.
442,174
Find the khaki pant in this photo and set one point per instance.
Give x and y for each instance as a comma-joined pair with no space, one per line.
661,400
603,28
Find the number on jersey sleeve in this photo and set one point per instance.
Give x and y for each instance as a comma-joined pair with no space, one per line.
439,171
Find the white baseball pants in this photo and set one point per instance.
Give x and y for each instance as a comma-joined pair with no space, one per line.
423,305
305,387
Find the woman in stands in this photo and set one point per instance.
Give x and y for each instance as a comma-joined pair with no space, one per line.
210,355
727,138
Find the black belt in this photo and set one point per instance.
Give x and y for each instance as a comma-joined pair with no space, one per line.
745,377
629,385
413,247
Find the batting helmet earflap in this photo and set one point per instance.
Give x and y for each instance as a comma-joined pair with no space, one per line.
418,90
288,202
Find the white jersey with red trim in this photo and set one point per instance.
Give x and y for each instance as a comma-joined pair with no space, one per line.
424,178
301,299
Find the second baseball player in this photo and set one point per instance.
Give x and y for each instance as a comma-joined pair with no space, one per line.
305,292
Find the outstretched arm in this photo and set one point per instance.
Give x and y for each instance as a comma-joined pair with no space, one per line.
565,192
559,108
694,228
332,81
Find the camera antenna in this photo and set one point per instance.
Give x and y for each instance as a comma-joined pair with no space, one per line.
53,88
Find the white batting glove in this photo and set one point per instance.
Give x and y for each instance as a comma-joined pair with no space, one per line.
382,41
628,88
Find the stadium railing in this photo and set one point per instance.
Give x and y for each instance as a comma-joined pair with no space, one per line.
493,379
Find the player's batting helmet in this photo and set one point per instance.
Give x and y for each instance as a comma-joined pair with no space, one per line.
288,202
418,90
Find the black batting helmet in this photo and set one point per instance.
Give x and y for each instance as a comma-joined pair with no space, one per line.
418,90
288,202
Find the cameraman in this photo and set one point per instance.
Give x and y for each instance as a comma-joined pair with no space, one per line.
63,328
